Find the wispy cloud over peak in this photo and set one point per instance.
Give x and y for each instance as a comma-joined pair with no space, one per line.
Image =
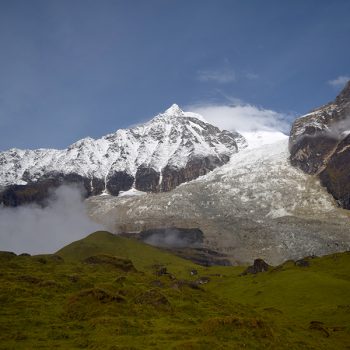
243,117
340,81
221,76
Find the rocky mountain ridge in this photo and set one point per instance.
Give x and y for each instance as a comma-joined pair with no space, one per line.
320,145
172,148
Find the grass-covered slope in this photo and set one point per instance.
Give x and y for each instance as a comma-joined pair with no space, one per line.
103,293
142,255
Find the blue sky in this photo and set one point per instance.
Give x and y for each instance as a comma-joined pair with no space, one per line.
77,68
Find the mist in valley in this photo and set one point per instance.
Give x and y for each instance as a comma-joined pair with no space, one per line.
35,230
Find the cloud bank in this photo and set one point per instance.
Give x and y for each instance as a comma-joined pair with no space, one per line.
339,82
243,117
36,230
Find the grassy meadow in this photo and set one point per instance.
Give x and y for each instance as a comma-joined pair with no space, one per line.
109,292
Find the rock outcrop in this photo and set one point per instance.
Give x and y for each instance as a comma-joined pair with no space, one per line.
172,177
319,144
258,266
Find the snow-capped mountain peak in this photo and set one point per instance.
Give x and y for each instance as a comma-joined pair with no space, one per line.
174,110
172,148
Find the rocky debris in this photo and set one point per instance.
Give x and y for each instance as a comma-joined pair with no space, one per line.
107,260
203,256
302,263
319,144
258,266
202,280
193,272
174,147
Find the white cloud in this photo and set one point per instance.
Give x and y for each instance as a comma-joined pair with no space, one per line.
221,76
339,82
243,117
33,229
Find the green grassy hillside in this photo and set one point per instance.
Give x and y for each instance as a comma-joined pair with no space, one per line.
142,255
103,292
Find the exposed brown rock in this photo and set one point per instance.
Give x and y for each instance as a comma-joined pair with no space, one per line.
172,177
302,263
39,191
147,180
336,175
203,280
320,144
258,266
119,181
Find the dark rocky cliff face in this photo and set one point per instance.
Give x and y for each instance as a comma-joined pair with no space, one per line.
39,191
194,168
320,144
336,175
119,181
147,180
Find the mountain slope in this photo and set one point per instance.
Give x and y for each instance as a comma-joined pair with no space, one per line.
172,148
257,205
320,144
142,255
48,302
